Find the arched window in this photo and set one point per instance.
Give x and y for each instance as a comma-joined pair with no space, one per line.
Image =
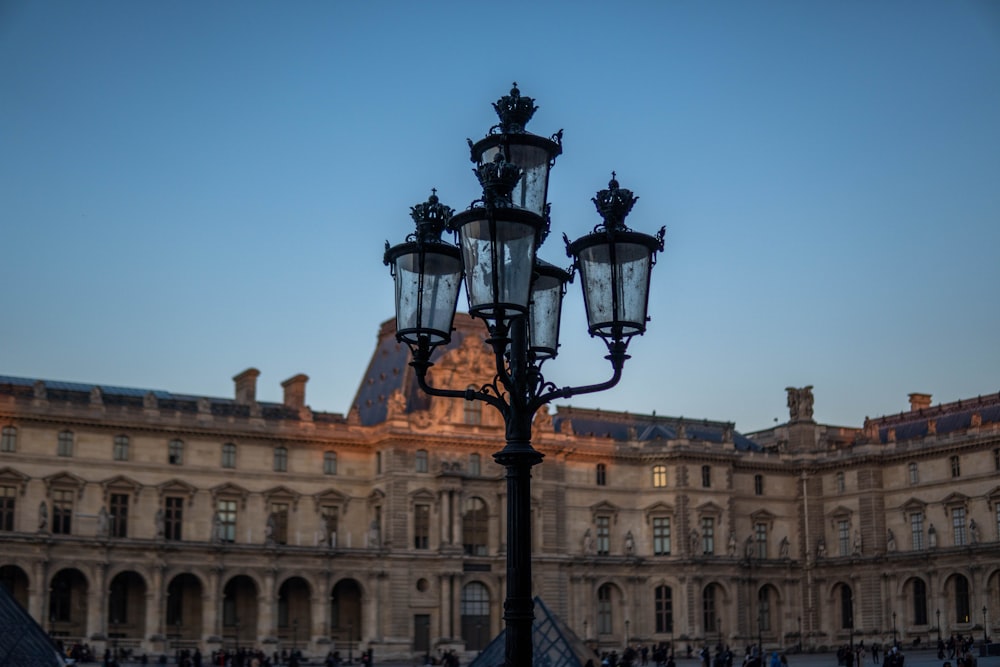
65,445
475,612
604,625
474,527
421,460
846,608
280,459
708,607
175,452
659,476
764,608
329,463
663,608
919,602
961,599
602,474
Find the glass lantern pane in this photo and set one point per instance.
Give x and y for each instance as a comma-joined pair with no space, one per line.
498,271
426,296
531,190
615,286
545,311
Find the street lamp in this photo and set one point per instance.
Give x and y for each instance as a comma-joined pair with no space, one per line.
985,636
114,627
519,299
800,633
938,613
894,629
626,633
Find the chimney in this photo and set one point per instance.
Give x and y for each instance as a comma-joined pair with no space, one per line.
919,402
246,386
295,391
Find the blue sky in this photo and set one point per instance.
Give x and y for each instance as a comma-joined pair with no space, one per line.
189,189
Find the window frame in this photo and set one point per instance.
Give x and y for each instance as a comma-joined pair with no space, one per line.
661,535
120,448
659,472
330,462
758,484
955,462
281,459
475,464
601,474
706,477
663,609
65,444
175,452
118,511
228,456
8,507
8,439
421,526
913,472
173,518
420,461
602,534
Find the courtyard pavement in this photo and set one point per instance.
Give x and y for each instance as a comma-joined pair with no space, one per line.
914,658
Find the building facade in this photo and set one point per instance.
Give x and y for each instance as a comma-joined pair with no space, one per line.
158,521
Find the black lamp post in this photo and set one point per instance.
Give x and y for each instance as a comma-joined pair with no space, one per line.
350,643
985,636
114,627
850,626
799,618
519,299
626,634
938,613
894,629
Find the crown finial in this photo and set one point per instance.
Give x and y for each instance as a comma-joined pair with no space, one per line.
431,217
614,204
514,111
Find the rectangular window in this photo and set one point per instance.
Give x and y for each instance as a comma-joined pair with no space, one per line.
707,535
421,526
175,452
917,530
602,474
659,476
62,511
8,498
475,465
958,525
661,536
844,538
473,412
229,455
706,476
758,485
760,537
65,445
421,460
378,463
603,535
329,463
956,467
280,513
280,459
120,449
173,518
996,458
8,439
227,520
841,485
119,515
914,473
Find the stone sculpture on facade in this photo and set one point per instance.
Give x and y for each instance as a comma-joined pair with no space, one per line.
629,544
800,403
43,517
588,543
783,547
103,522
890,542
731,545
932,537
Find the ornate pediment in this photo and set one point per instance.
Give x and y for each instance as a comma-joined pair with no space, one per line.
913,505
229,491
711,509
65,480
177,487
423,494
955,499
331,497
657,509
283,494
12,477
764,517
376,497
120,484
604,508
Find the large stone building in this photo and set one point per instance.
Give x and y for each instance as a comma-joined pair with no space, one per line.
159,520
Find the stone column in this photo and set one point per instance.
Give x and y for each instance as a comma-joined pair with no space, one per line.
456,524
317,618
97,619
456,606
445,607
38,593
152,618
211,613
266,621
444,520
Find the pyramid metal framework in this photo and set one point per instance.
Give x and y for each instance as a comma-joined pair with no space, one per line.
553,644
22,640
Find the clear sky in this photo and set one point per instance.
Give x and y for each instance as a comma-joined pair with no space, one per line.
188,189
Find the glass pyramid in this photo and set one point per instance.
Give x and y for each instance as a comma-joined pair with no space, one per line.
553,644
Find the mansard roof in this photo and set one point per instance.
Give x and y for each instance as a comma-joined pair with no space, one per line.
80,394
938,420
628,427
